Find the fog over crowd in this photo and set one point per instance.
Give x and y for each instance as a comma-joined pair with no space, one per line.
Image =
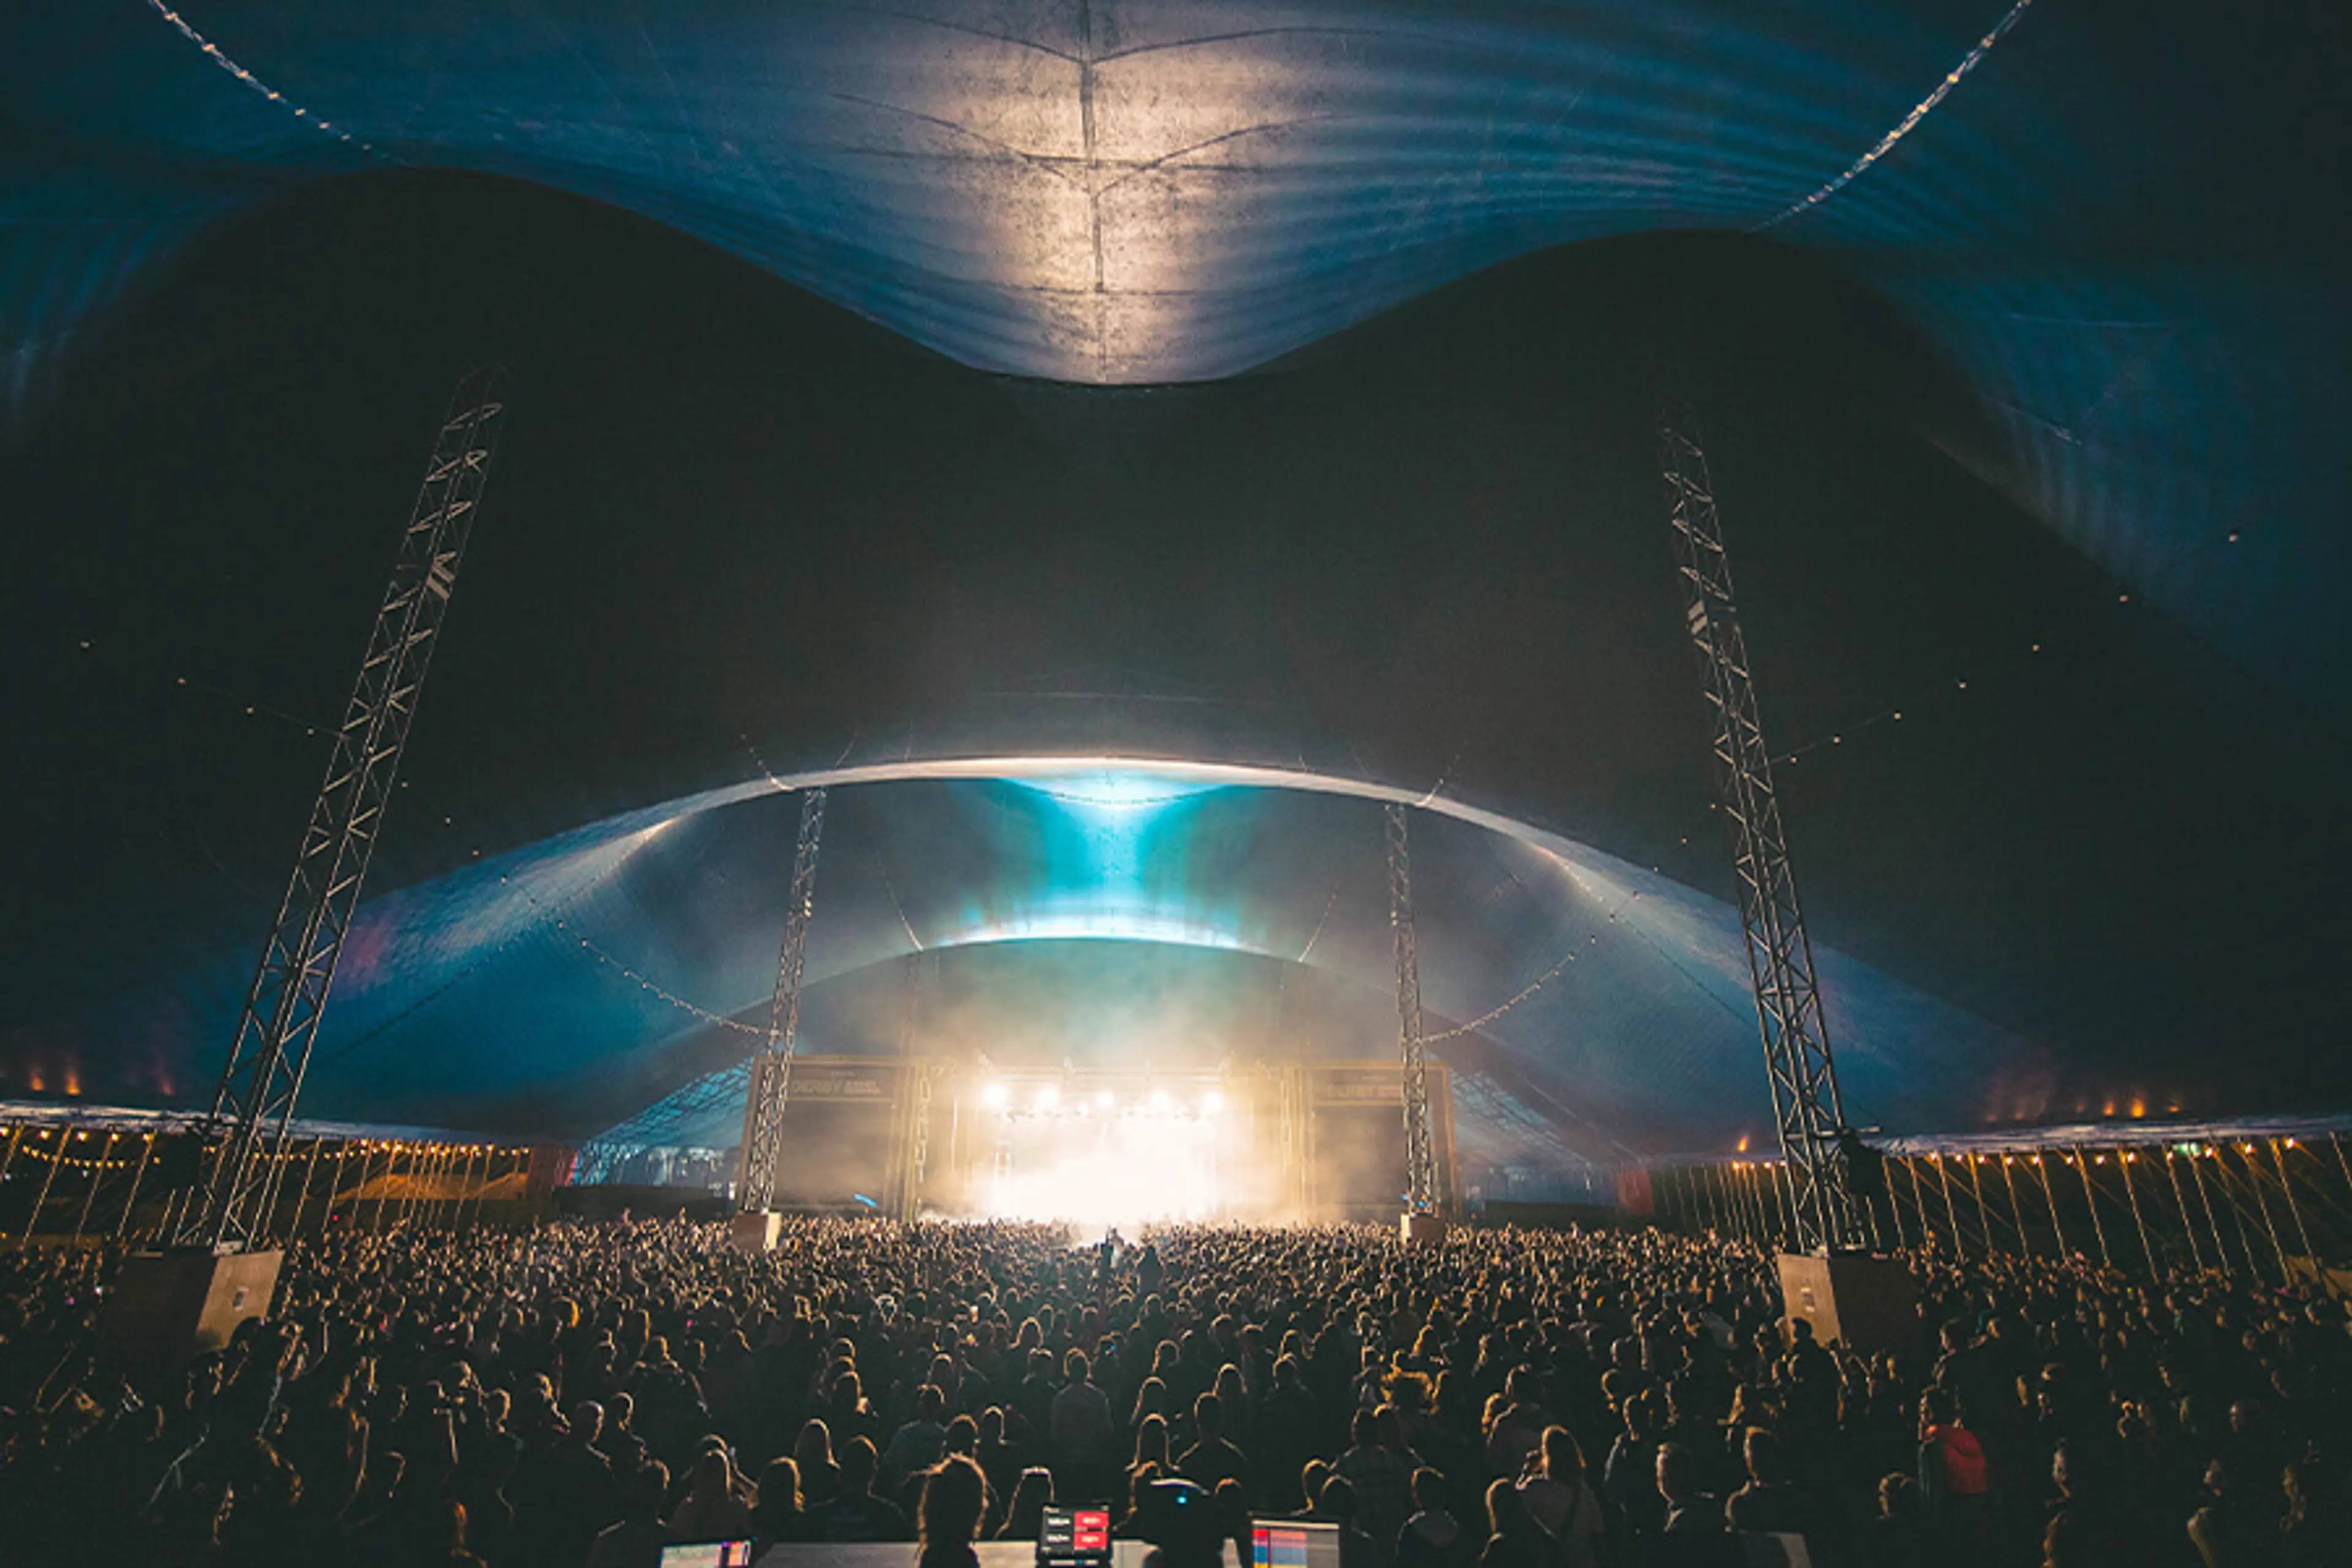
576,1395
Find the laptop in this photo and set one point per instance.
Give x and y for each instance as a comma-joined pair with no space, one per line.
708,1554
1074,1538
1294,1543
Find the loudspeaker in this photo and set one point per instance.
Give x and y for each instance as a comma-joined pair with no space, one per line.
1869,1303
1865,1169
754,1231
168,1306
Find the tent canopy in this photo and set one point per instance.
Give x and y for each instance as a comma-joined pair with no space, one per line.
2023,383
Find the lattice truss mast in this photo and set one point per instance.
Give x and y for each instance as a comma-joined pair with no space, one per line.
280,1022
1806,1106
772,1070
1419,1157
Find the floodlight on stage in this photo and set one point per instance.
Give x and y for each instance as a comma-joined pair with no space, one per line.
1104,1098
995,1096
1212,1102
1161,1099
1049,1097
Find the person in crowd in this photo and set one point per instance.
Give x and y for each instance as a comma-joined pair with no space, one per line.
1288,1423
540,1377
1433,1537
1211,1459
1898,1537
713,1508
1033,1494
571,1494
1151,1397
998,1455
1379,1479
2317,1522
1557,1496
1231,1503
955,1497
1335,1505
781,1512
1770,1503
1955,1477
1151,1446
447,1548
919,1442
859,1513
1514,1540
1516,1425
1312,1476
818,1474
2232,1529
1630,1475
1129,1526
1690,1511
636,1540
1080,1431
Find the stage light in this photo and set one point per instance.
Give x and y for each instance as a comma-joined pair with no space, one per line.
995,1096
1049,1097
1212,1102
1172,1165
1161,1099
1105,1099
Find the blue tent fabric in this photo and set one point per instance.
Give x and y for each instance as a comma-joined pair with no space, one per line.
2113,221
558,988
2106,214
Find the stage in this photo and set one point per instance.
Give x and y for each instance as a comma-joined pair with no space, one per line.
1262,1143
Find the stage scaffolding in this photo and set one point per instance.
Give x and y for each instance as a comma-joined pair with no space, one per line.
280,1022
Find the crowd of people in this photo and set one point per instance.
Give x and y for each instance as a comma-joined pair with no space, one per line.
575,1394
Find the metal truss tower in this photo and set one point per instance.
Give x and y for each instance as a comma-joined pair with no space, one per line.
1806,1107
1419,1159
254,1101
772,1070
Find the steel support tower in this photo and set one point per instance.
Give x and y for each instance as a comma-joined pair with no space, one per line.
279,1023
1806,1107
1420,1158
772,1069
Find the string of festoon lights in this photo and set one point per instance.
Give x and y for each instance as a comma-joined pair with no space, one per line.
2261,1204
649,987
1955,686
58,1156
350,1149
1492,1013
